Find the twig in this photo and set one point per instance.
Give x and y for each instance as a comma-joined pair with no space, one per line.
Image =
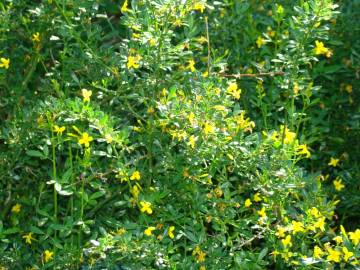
238,76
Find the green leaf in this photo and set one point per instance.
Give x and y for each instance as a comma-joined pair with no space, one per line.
35,153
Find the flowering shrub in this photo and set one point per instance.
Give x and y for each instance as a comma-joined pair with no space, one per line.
177,135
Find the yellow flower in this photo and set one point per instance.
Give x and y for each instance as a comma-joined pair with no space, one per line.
347,254
297,226
338,239
233,90
86,94
191,118
334,162
260,41
320,48
208,128
120,231
334,255
85,139
149,231
320,223
201,257
303,150
135,191
192,141
4,63
318,252
280,232
171,232
28,238
202,268
289,136
135,175
146,207
280,9
257,197
16,208
152,42
314,212
338,184
287,241
124,7
355,236
136,35
36,37
296,88
262,212
59,130
133,61
191,65
48,255
199,6
248,203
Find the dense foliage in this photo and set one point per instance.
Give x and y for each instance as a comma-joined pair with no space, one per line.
179,134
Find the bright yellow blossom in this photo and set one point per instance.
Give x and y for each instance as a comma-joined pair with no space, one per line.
124,7
208,128
257,197
191,65
233,90
320,223
338,239
192,141
287,241
320,48
314,212
333,255
289,136
59,130
338,184
85,139
146,207
260,41
199,6
280,9
133,61
262,212
171,232
297,226
28,238
280,232
334,162
318,252
135,175
36,37
16,208
149,231
347,254
86,95
355,236
4,63
48,255
303,150
248,203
